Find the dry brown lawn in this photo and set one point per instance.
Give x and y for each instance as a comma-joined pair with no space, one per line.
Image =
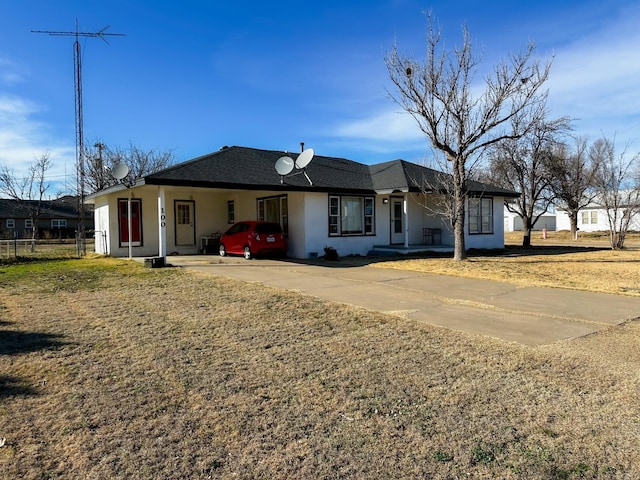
110,370
556,262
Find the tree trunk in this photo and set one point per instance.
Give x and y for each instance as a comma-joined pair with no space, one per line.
526,239
459,249
617,240
459,198
573,221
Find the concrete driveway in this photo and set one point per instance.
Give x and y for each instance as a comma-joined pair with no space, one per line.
527,315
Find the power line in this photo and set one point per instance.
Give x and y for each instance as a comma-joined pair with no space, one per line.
77,79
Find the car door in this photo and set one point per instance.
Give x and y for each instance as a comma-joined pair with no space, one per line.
235,238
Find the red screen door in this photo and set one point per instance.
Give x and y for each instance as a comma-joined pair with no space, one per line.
136,226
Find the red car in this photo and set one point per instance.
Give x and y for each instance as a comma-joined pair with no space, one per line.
252,238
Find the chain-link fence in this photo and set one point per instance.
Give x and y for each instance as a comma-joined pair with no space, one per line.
27,248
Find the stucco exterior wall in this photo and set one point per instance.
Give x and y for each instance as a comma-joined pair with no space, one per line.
103,231
422,214
308,221
488,241
316,226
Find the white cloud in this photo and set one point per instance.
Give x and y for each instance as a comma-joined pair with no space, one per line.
23,138
387,128
595,79
9,72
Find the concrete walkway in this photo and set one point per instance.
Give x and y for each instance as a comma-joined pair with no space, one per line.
527,315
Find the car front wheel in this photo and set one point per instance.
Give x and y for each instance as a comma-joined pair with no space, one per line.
222,250
247,253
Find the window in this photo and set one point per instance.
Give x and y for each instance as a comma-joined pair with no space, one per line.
11,223
183,213
351,215
585,217
28,223
589,216
58,223
334,215
274,209
480,215
231,211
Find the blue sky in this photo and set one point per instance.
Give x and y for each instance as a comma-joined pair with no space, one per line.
192,76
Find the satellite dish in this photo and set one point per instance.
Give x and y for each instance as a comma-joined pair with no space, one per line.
284,165
304,158
120,171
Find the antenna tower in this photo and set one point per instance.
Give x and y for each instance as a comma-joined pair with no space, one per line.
77,81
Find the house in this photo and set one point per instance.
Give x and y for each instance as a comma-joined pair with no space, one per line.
331,202
593,218
514,223
58,218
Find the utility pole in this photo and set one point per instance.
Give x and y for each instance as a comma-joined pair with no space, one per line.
77,80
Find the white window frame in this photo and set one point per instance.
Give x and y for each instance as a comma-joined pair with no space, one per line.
28,223
58,223
337,216
11,223
584,217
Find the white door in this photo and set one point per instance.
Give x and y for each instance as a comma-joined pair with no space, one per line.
397,230
185,229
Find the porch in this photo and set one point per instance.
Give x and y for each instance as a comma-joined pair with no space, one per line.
409,249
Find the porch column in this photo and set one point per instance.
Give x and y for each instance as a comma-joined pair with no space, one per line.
162,224
405,213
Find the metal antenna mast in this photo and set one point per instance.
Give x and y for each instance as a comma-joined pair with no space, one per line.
77,81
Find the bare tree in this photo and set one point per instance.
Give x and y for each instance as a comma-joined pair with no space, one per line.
29,191
523,164
573,176
439,94
101,159
437,188
618,188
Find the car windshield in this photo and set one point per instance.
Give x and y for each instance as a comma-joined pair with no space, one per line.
268,228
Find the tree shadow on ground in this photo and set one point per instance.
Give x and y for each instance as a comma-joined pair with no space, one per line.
519,251
14,386
508,251
16,342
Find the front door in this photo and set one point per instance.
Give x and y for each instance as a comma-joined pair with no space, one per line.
185,225
397,230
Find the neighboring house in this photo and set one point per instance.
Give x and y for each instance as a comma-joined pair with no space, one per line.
592,218
334,202
513,222
58,218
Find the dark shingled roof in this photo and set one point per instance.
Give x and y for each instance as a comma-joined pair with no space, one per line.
64,207
254,169
403,176
250,168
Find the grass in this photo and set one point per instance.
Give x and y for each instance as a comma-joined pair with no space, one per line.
111,370
585,266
